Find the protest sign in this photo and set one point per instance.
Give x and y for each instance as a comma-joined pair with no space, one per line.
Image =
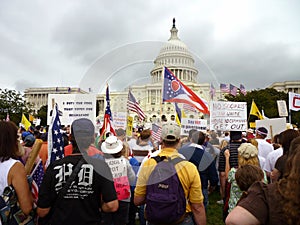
274,126
228,116
72,107
188,124
119,120
129,126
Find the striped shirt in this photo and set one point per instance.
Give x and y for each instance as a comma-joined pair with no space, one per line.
233,159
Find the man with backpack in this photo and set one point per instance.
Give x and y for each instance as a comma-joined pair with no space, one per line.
170,186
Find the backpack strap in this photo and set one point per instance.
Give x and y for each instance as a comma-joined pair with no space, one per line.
173,161
159,158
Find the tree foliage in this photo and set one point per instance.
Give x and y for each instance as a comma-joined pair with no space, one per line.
42,114
266,100
14,104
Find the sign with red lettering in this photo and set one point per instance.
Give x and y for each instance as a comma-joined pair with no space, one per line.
294,101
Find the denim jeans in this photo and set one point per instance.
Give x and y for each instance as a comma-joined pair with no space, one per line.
205,195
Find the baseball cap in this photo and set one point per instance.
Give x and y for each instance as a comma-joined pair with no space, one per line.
29,140
170,131
83,127
111,145
247,150
235,135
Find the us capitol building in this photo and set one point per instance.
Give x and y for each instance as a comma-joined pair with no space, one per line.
176,56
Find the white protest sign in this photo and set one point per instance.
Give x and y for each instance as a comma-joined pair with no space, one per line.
188,124
73,106
228,116
294,101
274,126
282,109
119,120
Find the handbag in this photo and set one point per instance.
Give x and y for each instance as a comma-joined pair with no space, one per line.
10,211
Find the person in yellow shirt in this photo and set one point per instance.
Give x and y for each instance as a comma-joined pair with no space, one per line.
187,173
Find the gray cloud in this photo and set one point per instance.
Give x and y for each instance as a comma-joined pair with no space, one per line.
46,43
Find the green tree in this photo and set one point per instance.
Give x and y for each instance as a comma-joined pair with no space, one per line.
42,114
13,103
266,100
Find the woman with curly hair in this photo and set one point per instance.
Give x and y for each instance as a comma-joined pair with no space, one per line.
12,171
276,203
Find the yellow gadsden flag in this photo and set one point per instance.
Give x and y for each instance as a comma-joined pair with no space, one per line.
25,122
254,111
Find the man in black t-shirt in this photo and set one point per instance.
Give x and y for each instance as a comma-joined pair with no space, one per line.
92,189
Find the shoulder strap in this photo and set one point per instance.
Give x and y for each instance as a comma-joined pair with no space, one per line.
159,158
176,160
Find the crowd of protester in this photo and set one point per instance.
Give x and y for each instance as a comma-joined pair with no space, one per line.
258,178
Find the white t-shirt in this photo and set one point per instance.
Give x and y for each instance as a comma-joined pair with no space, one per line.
272,158
264,148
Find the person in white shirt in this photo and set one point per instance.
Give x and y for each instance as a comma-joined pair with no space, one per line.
264,148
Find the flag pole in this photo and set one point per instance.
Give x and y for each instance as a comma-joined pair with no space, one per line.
162,90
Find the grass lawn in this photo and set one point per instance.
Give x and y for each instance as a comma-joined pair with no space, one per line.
214,210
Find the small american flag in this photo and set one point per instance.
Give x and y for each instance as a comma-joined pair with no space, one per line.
243,89
134,106
55,138
187,107
156,132
37,178
212,91
233,90
224,88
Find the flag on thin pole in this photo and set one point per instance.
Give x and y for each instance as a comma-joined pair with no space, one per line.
178,114
37,175
254,111
224,88
55,138
107,121
176,91
212,91
156,132
25,122
133,105
243,89
233,90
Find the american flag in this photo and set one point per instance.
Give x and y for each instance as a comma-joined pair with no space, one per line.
107,121
243,89
176,91
156,132
212,91
224,88
233,90
37,178
187,107
134,106
55,138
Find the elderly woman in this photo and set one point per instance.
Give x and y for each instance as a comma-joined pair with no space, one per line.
12,171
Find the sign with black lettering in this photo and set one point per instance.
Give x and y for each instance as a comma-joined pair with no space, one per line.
73,106
228,116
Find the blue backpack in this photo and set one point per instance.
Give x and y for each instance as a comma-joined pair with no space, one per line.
165,198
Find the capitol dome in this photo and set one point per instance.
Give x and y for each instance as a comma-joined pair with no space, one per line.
176,56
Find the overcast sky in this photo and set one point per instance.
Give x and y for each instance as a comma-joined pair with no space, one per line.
88,43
